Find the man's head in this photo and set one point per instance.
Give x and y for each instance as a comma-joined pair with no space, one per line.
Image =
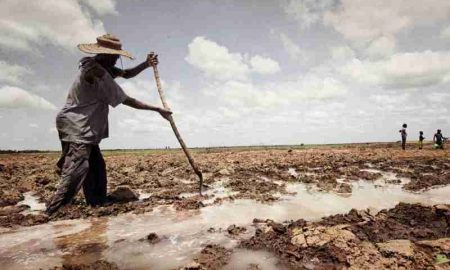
107,60
405,126
421,132
439,131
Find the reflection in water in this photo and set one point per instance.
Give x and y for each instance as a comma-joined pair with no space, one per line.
184,234
86,246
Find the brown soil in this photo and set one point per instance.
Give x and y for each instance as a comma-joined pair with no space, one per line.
257,174
98,265
405,237
212,257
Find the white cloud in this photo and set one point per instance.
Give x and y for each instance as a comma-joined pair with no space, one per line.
14,97
307,12
216,61
342,53
362,20
26,25
381,47
293,49
101,7
260,97
445,33
402,70
12,74
264,65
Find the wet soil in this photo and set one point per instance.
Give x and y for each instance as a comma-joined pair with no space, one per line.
98,265
408,236
259,175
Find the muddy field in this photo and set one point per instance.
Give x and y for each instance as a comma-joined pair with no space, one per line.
348,207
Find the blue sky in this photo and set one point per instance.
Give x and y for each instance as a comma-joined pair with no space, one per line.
235,72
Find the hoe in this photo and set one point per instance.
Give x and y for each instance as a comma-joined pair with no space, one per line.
175,130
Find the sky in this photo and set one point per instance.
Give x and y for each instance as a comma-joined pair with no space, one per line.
244,72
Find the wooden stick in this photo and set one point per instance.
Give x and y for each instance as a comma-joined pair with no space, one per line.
175,129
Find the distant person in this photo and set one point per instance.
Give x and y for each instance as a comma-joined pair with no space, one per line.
421,138
83,121
438,140
404,135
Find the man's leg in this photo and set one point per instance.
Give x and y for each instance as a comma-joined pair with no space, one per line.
94,187
74,171
62,158
403,144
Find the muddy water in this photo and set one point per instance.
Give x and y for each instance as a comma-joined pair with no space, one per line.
242,258
119,239
31,200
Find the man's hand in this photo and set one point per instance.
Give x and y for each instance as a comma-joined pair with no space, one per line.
152,59
165,113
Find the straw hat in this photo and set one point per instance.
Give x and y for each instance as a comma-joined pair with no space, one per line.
107,44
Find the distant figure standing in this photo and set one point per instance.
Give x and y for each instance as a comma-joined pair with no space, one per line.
438,140
421,138
404,134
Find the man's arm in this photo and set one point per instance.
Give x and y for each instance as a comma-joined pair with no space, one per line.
134,103
152,60
132,72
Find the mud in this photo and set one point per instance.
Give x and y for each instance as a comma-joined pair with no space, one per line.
98,265
406,237
242,185
259,175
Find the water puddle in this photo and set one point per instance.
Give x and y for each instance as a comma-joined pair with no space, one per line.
243,259
144,195
185,233
31,200
292,172
215,191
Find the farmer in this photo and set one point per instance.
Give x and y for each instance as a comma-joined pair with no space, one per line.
83,121
421,138
438,139
403,134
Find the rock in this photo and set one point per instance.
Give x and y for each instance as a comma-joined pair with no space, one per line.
257,220
225,171
153,238
442,244
277,227
235,230
319,236
299,240
401,247
123,194
2,167
343,188
442,208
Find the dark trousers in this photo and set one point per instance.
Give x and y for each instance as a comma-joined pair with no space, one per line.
403,143
80,165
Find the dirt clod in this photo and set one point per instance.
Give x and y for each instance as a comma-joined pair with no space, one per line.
123,194
153,238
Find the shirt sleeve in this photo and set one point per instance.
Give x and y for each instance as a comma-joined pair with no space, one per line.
116,72
110,92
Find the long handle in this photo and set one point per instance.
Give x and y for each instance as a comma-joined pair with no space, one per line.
175,129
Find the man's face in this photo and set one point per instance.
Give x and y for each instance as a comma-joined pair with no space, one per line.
108,60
